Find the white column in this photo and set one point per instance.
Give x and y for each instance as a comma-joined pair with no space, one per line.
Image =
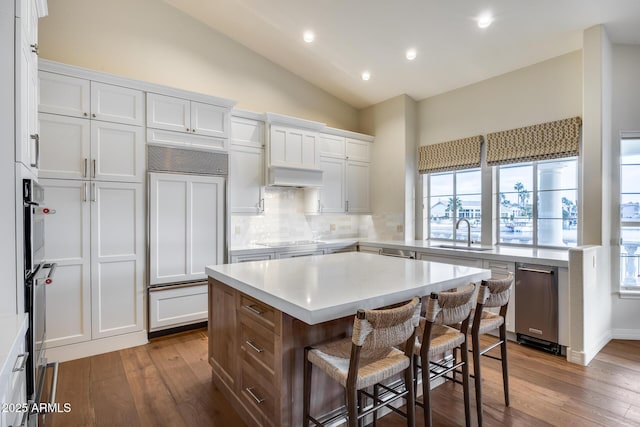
550,204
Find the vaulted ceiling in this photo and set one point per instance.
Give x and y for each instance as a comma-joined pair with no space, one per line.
354,36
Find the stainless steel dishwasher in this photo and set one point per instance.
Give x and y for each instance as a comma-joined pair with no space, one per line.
537,306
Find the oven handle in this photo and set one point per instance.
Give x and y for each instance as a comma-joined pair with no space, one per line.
52,266
54,386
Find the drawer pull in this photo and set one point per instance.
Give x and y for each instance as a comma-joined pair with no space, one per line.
252,308
253,346
253,395
23,364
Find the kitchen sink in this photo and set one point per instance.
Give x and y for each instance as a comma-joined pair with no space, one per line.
463,248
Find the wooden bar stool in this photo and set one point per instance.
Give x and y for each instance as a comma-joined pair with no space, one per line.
493,293
368,357
436,338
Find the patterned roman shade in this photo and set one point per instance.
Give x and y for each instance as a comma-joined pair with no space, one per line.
550,140
451,155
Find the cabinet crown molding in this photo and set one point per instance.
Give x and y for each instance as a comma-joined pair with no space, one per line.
274,118
348,134
99,76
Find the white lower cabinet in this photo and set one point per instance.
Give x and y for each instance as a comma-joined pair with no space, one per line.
170,307
299,253
263,256
499,270
96,237
13,381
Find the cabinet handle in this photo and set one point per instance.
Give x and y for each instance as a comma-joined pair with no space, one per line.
93,191
346,206
252,308
262,205
85,114
94,168
84,192
253,346
86,167
93,115
36,139
253,395
193,130
188,130
23,364
35,48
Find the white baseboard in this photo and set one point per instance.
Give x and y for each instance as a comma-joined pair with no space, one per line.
93,347
577,357
625,334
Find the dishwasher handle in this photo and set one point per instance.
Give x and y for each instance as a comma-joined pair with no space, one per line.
535,270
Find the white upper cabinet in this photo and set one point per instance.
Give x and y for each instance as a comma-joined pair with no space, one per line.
346,175
294,147
76,97
117,104
74,148
246,166
60,94
183,115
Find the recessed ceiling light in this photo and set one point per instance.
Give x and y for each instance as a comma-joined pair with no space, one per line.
411,54
308,36
366,75
485,20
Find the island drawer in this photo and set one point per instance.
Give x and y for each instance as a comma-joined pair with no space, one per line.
257,344
256,392
260,312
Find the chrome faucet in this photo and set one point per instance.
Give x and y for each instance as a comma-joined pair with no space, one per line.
468,229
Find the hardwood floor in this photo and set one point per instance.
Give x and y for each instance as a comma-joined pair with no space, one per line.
168,383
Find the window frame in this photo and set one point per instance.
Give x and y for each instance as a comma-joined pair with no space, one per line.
628,290
454,217
534,203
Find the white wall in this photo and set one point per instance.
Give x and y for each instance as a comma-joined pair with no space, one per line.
626,117
542,92
152,41
7,159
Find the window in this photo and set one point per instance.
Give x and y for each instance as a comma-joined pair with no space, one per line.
453,195
629,213
538,203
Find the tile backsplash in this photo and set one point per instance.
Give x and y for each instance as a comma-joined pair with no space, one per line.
284,220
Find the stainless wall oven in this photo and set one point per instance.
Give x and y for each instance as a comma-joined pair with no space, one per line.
38,274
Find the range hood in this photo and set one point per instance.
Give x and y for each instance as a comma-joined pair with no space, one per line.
293,176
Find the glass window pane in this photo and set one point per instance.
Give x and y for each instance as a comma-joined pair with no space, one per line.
557,232
441,184
629,179
468,182
630,151
558,204
517,231
516,177
630,207
630,256
557,174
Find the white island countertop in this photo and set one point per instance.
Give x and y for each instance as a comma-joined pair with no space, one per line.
321,288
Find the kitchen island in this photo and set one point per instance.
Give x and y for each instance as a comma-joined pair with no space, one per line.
263,313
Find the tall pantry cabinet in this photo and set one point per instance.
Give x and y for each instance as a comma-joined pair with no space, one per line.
92,169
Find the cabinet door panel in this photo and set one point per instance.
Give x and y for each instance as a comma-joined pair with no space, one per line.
64,95
65,146
166,112
310,150
357,150
207,224
117,258
117,104
67,243
358,194
332,193
118,151
246,179
293,146
208,119
332,145
168,228
247,132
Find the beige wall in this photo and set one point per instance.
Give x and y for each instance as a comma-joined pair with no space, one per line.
542,92
150,40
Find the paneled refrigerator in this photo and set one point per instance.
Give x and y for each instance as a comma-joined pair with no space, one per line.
187,231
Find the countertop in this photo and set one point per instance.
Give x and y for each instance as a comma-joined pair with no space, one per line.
320,288
553,257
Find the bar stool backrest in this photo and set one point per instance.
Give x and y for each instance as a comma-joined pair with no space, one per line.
499,291
381,329
451,307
